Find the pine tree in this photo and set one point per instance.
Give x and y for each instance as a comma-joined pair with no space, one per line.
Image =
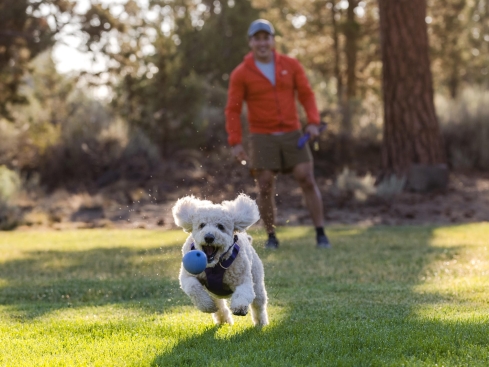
25,32
411,131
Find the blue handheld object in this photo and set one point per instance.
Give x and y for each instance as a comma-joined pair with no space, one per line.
194,261
304,138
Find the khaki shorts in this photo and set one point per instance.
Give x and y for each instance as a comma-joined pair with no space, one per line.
277,152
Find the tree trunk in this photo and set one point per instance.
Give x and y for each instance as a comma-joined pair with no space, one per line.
352,30
337,61
453,82
411,132
342,154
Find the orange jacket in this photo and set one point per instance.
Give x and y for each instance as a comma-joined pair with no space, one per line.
271,108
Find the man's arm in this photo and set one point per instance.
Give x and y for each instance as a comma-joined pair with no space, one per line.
236,92
306,95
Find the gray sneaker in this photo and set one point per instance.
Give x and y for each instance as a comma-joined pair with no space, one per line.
272,243
323,242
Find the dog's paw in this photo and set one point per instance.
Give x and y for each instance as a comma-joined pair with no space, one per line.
261,322
240,311
220,319
205,305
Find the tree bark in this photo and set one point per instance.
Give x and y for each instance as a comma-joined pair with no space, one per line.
411,130
352,29
351,32
337,61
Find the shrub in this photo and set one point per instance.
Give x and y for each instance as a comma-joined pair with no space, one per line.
100,150
349,184
390,187
10,184
465,127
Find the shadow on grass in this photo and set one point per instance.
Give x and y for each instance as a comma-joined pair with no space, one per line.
354,305
338,341
44,281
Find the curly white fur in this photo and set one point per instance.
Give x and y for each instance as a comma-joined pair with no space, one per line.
245,277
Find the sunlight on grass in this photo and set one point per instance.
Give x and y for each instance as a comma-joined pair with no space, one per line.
464,259
108,335
458,276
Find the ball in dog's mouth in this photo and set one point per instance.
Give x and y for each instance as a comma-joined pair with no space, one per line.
210,252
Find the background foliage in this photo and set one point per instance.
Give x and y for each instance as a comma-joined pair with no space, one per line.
167,69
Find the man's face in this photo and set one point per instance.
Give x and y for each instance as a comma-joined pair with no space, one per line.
262,44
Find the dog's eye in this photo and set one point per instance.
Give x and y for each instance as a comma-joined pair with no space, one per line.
202,225
221,227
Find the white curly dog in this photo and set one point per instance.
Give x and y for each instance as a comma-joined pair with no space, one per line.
234,269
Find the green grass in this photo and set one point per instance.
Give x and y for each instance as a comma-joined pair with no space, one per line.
412,296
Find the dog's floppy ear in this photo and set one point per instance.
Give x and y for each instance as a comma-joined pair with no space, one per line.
243,210
184,211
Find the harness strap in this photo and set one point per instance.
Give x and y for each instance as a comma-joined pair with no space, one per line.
215,275
227,263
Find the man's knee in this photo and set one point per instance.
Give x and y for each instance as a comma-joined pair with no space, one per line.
304,175
306,182
265,182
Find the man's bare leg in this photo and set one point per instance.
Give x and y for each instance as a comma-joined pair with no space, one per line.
266,202
304,175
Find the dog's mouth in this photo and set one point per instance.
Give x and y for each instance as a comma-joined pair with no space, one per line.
210,252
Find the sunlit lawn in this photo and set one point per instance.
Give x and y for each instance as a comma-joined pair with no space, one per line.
382,297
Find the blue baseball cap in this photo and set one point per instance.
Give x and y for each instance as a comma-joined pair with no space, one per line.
260,25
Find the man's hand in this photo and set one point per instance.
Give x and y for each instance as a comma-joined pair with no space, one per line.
239,153
313,131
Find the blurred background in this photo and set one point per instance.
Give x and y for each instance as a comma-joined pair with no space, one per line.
111,110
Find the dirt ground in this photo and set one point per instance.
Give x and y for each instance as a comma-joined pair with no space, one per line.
147,203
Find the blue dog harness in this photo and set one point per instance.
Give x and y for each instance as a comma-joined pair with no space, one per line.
215,275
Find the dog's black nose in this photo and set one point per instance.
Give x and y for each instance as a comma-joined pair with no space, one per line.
209,238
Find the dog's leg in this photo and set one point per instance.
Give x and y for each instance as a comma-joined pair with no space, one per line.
259,305
199,297
241,299
223,315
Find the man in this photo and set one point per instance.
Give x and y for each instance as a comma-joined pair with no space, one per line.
268,82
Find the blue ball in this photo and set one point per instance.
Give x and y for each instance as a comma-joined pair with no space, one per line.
194,261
